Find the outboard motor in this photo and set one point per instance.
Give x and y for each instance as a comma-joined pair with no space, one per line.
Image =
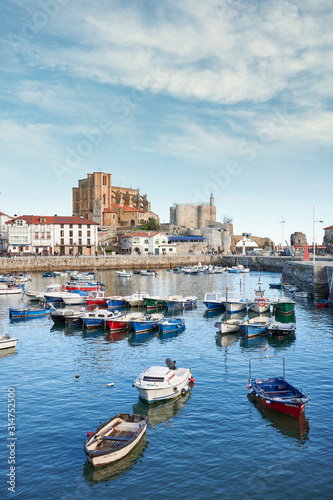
170,364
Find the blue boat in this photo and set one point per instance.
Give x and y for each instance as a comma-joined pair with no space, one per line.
98,317
172,325
48,274
214,301
147,322
29,312
116,301
255,326
179,302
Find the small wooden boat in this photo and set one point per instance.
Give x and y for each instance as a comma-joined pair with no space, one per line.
123,274
7,341
179,302
321,303
147,323
229,325
278,394
172,325
115,438
255,326
119,323
136,299
29,312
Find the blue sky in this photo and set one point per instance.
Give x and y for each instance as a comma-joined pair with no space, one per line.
180,99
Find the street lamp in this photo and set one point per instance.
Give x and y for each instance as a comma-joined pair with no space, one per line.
314,246
282,222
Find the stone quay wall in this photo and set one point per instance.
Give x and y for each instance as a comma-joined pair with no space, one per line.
88,263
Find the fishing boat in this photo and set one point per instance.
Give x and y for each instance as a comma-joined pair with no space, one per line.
8,289
123,322
255,326
229,326
98,317
123,274
259,303
67,316
283,305
136,299
301,295
321,303
29,312
278,394
172,325
148,272
7,341
159,383
114,439
86,286
80,276
191,270
116,301
234,301
147,323
76,297
179,302
154,302
281,330
96,298
214,301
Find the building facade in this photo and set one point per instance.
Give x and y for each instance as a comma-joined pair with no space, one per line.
96,199
146,243
3,232
32,234
193,216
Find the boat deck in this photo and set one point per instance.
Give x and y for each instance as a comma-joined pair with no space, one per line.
117,439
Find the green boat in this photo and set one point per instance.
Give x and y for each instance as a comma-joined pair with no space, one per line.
154,302
283,305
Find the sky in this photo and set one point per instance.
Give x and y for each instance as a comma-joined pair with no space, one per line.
181,99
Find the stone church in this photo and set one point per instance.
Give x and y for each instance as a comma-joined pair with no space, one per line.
96,199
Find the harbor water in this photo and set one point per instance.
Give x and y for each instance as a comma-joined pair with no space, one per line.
214,442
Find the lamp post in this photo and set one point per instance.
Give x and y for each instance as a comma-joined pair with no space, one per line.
282,222
313,229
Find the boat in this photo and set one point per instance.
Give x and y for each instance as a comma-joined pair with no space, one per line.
48,274
214,301
276,286
8,289
136,299
98,317
179,302
159,383
96,298
123,322
80,276
229,325
191,270
147,322
114,439
234,301
240,268
116,301
255,326
259,303
76,297
283,305
154,302
301,295
148,272
29,312
66,315
172,325
85,286
281,330
7,341
278,394
123,274
34,296
321,303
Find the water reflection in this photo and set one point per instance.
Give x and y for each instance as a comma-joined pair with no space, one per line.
285,424
227,339
11,351
285,318
282,342
140,338
116,336
116,469
162,411
255,342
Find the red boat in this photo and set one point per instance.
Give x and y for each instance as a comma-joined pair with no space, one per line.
321,303
96,298
123,322
278,394
85,287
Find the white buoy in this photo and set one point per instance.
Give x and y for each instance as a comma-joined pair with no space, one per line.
110,385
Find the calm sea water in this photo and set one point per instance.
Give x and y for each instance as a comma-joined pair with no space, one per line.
212,443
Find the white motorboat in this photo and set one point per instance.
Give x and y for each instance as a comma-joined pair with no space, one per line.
115,439
259,303
214,301
7,341
33,296
123,274
74,298
301,295
98,317
8,289
234,302
159,383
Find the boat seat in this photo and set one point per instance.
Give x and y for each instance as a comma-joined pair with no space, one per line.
116,438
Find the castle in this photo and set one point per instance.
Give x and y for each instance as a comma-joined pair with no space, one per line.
193,216
96,199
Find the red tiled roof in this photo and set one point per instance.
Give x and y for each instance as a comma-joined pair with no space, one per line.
136,235
329,227
1,213
55,219
109,211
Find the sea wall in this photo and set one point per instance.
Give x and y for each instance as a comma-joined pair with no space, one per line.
87,263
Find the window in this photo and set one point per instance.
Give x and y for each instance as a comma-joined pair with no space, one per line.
62,234
80,225
157,242
71,241
71,225
42,219
48,235
19,222
170,249
80,234
146,241
88,234
88,241
103,199
104,181
88,226
62,241
71,234
80,241
36,235
62,226
146,249
136,241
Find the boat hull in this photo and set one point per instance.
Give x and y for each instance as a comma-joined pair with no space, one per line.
253,330
214,306
176,389
24,314
284,307
7,343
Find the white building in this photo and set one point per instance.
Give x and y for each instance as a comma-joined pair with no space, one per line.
56,235
3,232
146,243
